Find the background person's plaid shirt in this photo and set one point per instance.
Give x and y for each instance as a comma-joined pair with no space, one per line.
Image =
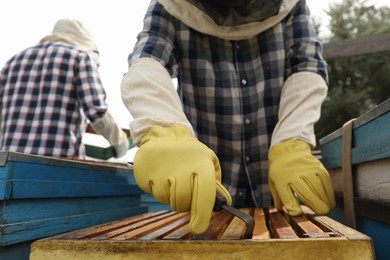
230,90
47,91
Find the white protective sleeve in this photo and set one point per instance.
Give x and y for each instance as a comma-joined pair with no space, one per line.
300,107
109,129
151,98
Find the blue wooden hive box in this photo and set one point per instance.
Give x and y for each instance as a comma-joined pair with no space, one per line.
357,157
43,196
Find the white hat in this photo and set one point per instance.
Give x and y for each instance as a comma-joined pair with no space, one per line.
75,33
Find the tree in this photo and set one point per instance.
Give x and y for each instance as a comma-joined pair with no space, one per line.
356,84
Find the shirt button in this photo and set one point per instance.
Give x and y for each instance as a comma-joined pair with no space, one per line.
243,82
247,158
237,47
247,121
240,193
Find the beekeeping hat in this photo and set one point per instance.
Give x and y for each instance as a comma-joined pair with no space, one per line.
75,33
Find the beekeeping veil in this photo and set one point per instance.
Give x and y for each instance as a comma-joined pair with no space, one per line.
229,19
75,33
237,12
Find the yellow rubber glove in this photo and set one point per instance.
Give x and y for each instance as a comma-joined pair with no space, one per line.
292,168
180,171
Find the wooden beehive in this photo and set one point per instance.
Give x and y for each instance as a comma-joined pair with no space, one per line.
44,196
165,234
357,157
362,147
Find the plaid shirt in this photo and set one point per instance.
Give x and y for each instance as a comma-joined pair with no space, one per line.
47,91
230,90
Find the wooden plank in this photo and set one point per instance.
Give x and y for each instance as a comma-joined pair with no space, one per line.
330,225
236,228
372,181
26,189
91,232
341,229
61,164
370,209
179,234
16,233
346,167
152,226
133,226
260,231
70,170
354,47
27,210
371,138
201,250
306,228
153,205
217,226
36,179
280,227
159,233
374,149
331,153
374,210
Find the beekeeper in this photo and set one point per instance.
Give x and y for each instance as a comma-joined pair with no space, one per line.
49,90
250,83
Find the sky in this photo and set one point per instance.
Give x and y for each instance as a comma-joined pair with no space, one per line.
113,23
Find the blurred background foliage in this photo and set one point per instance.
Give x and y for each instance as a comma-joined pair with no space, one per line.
359,83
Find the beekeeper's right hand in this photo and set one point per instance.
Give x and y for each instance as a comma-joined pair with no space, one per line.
177,169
